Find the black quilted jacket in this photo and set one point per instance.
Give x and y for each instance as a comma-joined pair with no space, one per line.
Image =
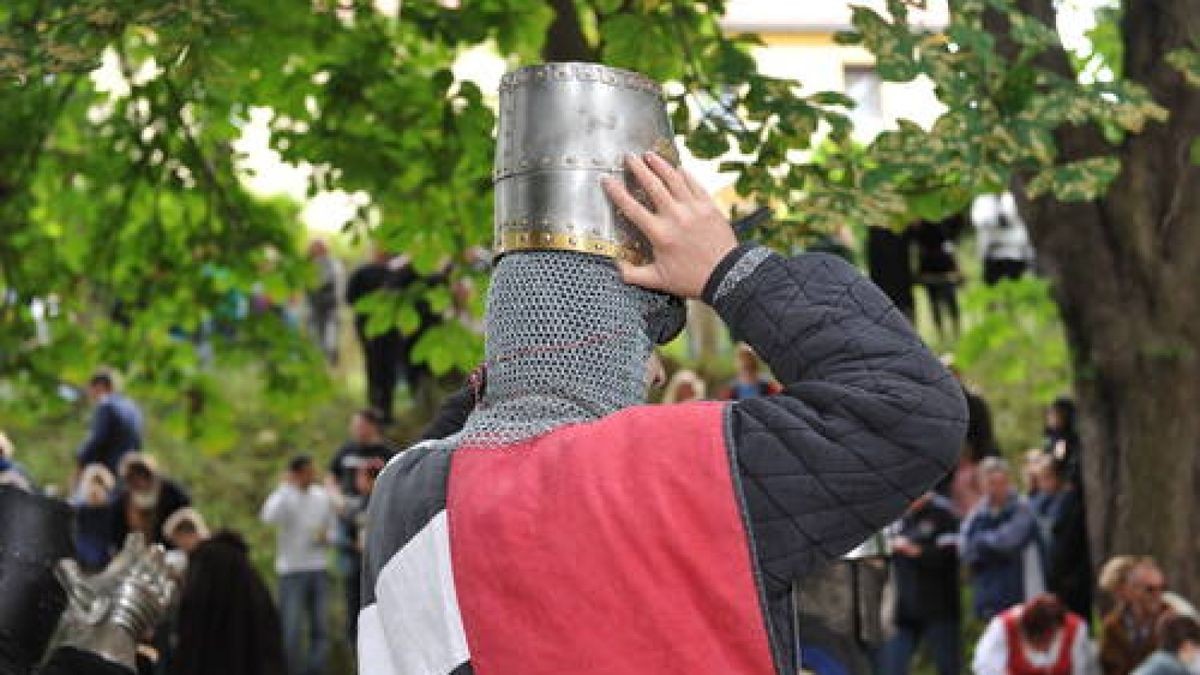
868,419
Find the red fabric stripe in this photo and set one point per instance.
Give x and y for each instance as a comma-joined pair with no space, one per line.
615,547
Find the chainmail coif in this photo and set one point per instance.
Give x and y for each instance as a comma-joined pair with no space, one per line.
566,341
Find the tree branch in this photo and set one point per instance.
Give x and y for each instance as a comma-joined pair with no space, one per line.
565,40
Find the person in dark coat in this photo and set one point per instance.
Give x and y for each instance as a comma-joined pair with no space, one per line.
889,267
383,353
387,355
1062,439
937,269
1059,508
925,564
367,447
146,500
116,426
228,623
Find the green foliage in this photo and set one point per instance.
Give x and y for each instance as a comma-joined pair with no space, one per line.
1187,62
1003,109
1013,340
124,212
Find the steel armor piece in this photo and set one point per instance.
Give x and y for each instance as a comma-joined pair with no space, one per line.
564,126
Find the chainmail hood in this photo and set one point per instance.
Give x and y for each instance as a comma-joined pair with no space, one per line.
566,341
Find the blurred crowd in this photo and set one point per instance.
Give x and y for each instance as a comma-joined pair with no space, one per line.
999,545
226,618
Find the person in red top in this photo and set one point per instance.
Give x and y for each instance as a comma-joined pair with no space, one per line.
1038,637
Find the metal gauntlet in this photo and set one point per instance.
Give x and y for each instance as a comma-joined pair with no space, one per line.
108,613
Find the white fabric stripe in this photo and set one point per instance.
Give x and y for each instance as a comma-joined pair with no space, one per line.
414,627
373,655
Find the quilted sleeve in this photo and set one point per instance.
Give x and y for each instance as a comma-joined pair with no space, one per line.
868,419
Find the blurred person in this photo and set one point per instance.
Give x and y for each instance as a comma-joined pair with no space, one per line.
890,267
1000,544
227,620
303,515
937,270
1058,507
383,353
924,545
1001,237
685,385
1037,637
323,299
95,517
1113,582
748,381
962,486
11,473
186,530
116,426
1062,440
351,533
1179,648
367,447
146,499
1127,634
367,440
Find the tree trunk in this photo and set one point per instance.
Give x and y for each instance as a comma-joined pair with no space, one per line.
565,40
1125,273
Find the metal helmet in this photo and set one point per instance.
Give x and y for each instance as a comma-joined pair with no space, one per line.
563,126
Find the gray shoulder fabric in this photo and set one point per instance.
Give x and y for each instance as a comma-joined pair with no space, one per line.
409,493
868,419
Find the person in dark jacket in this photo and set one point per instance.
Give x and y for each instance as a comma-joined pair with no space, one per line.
116,425
388,355
1179,650
146,500
1061,440
367,447
573,494
925,567
1059,509
937,269
1000,545
227,622
383,353
890,268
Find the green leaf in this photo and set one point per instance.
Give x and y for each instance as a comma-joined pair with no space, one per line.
1187,62
1077,181
832,98
643,43
894,46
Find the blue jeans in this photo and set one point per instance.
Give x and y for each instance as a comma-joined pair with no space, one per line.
942,637
304,599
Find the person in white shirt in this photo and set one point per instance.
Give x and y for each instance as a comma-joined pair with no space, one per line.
1038,637
303,514
1002,237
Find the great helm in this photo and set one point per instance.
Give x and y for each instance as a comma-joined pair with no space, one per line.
562,127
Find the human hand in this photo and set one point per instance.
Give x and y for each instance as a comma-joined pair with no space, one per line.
905,547
687,232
